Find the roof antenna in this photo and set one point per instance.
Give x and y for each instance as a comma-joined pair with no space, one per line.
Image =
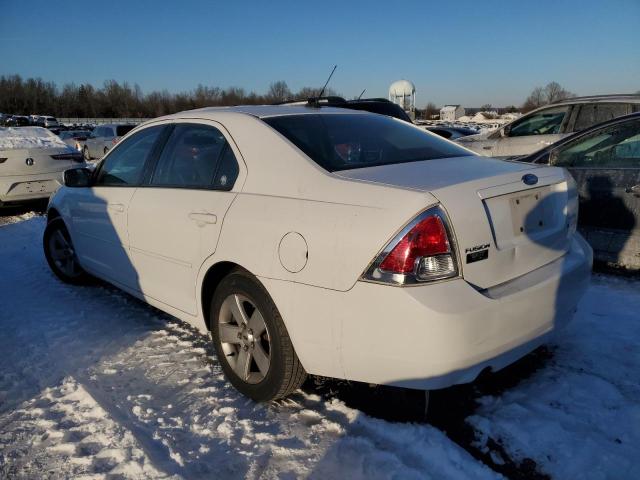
327,82
360,96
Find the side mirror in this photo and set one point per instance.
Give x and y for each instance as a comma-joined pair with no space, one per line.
78,177
505,131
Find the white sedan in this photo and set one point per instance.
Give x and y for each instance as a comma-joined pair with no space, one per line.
32,161
324,241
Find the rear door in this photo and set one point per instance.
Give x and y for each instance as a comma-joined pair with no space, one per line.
99,213
175,218
606,167
532,132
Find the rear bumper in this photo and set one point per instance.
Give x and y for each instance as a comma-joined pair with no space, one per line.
430,336
21,188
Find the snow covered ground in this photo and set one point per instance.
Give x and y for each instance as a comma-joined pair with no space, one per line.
95,384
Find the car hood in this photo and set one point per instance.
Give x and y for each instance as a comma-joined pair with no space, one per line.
430,175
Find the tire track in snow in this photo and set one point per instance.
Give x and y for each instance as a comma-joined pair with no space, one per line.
143,390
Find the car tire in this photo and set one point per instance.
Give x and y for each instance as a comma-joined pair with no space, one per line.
240,309
60,254
85,153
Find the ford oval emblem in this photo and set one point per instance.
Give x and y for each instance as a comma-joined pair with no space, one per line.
530,179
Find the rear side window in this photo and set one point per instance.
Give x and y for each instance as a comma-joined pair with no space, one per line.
194,157
590,114
122,130
227,171
125,164
348,141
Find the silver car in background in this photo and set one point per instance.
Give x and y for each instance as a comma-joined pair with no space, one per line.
47,121
103,138
546,125
75,138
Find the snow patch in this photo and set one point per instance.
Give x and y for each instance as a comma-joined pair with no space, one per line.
29,137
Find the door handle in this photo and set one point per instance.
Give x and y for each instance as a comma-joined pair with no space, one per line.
635,190
202,218
116,207
487,148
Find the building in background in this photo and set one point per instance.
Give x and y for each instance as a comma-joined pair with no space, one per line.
451,113
403,93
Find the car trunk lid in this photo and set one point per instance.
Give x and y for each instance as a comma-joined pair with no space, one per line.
35,161
504,227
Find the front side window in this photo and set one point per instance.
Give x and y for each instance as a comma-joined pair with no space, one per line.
191,157
545,122
347,141
125,164
617,146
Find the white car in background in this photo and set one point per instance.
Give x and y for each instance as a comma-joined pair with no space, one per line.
32,161
327,241
103,138
47,121
546,125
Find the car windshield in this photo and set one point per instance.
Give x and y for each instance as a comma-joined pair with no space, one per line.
344,141
122,130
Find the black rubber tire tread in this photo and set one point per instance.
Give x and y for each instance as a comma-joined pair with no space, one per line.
84,278
291,374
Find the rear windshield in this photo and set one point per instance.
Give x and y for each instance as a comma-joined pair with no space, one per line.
383,108
345,141
122,130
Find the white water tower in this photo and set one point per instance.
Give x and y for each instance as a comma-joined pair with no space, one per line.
403,93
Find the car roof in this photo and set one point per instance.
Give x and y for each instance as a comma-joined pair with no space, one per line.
265,111
619,97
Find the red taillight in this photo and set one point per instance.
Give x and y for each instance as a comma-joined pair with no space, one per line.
427,238
422,252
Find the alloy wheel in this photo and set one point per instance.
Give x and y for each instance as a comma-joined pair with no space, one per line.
244,338
63,254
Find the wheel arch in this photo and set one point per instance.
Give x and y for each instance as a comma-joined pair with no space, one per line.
210,282
52,214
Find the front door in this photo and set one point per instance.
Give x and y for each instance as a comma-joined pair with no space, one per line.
99,213
175,219
606,167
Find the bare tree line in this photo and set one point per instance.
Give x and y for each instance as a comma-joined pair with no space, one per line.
540,96
550,93
20,96
112,100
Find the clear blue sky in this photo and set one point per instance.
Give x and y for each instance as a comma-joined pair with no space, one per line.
469,52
